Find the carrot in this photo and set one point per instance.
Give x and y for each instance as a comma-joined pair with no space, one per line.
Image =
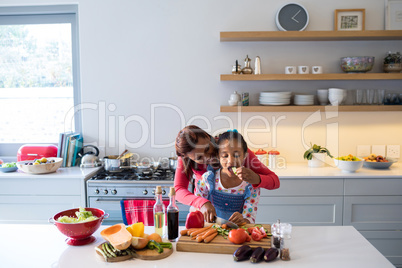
209,238
183,232
208,233
199,239
202,233
199,231
189,231
224,226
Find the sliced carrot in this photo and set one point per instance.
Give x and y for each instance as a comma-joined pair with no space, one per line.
199,231
210,238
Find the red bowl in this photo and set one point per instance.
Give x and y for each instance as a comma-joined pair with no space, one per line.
79,233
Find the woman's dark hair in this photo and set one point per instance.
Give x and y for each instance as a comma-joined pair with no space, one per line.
186,141
233,136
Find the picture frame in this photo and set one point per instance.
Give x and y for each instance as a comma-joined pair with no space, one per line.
393,15
350,19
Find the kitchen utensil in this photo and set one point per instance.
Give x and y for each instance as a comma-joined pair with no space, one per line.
378,165
322,95
123,153
144,166
89,158
230,224
79,233
173,163
219,244
357,64
41,168
113,164
8,169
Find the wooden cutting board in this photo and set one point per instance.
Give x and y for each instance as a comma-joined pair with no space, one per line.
220,245
143,254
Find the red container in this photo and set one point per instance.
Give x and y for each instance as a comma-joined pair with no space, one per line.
36,151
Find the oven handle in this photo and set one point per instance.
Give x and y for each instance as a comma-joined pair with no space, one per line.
108,200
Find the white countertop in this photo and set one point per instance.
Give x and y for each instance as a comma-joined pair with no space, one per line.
71,172
301,170
323,246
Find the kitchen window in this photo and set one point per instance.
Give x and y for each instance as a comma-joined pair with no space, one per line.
39,75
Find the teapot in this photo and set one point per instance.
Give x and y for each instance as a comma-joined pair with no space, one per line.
90,158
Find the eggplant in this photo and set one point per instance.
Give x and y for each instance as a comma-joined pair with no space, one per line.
271,254
242,253
258,255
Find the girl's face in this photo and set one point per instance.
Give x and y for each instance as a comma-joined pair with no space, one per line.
231,154
204,152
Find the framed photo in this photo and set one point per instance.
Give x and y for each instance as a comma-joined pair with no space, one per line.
349,19
393,15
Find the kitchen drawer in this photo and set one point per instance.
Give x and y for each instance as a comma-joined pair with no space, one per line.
302,211
307,187
34,209
42,186
373,212
366,186
389,243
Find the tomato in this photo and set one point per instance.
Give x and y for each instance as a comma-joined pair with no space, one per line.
195,219
262,230
250,230
238,236
256,236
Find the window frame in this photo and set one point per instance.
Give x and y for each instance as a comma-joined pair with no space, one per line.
48,14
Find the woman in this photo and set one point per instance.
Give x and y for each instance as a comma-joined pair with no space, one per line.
196,150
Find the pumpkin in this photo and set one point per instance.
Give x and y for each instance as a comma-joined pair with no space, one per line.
118,236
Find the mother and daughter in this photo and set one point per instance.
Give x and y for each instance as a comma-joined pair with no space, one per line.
226,174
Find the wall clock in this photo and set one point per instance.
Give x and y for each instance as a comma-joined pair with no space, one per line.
292,17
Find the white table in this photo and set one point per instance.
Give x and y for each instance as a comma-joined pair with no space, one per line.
24,245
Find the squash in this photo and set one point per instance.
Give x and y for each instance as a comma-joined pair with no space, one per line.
118,236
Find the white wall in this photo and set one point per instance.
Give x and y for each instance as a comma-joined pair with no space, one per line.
138,53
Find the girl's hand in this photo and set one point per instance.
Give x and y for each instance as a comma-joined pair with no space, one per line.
238,219
246,174
208,210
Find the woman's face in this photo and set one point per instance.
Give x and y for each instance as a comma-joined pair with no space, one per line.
204,152
231,154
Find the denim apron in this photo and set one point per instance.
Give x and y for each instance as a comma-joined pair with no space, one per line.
225,203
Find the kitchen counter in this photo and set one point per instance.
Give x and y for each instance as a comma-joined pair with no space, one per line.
322,246
61,173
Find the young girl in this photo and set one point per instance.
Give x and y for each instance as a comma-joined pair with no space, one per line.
234,199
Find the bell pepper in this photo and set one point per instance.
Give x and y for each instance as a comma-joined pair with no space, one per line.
195,219
152,244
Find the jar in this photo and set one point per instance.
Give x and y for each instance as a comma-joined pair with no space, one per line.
238,71
247,69
235,97
286,241
262,156
273,158
276,234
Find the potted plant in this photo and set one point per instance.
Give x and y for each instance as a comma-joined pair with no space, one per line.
316,155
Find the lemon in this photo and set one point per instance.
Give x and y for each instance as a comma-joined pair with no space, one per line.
36,163
43,160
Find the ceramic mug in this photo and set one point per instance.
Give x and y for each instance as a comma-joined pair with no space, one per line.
303,69
316,69
290,70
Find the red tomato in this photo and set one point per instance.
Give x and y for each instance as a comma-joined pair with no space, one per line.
250,230
256,236
195,219
238,236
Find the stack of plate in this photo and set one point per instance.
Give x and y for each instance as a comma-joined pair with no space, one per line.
275,98
303,100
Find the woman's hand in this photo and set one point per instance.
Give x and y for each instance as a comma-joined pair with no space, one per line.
208,210
238,219
246,174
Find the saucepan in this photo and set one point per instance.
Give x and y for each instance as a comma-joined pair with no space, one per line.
113,163
173,163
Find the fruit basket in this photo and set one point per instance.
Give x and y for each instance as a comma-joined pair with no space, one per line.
34,167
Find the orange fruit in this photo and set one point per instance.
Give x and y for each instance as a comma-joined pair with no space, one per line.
155,237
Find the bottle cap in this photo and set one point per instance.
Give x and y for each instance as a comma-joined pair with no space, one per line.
172,191
158,190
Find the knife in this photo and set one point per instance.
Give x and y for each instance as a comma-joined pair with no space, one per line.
230,224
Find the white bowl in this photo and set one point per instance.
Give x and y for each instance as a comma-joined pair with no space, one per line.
348,166
378,165
42,168
335,100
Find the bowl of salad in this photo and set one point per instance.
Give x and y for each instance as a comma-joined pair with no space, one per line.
79,224
8,167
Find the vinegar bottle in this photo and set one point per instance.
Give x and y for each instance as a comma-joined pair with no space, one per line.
172,217
159,212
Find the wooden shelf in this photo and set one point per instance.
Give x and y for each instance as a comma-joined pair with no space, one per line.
295,108
310,35
336,76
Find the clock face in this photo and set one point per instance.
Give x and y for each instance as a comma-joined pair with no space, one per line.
292,17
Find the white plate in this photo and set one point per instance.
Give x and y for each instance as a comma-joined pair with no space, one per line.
275,94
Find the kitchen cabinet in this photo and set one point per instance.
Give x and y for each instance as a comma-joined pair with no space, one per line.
258,36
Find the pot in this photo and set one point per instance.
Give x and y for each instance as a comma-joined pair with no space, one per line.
173,163
90,158
114,164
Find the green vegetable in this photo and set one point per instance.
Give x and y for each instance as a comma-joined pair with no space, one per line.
82,216
8,165
234,170
166,244
152,244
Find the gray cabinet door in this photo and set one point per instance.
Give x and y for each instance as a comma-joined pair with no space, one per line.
373,212
303,210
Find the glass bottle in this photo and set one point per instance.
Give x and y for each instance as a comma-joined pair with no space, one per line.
276,234
286,241
172,217
159,212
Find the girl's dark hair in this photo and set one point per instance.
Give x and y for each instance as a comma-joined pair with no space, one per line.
233,136
186,141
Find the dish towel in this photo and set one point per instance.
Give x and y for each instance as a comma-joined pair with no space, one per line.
139,210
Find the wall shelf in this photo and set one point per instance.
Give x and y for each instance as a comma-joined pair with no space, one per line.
310,35
314,108
334,76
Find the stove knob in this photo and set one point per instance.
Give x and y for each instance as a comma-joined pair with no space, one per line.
105,191
97,191
145,192
114,191
153,192
163,192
